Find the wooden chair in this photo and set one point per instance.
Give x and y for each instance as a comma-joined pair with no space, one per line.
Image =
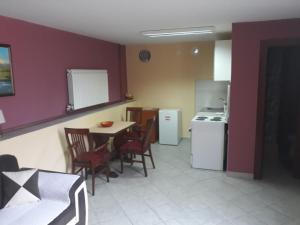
139,146
84,155
133,114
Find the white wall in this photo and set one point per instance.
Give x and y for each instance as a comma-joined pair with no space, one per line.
208,93
168,79
46,148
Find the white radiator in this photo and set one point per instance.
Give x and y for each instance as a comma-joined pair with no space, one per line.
87,88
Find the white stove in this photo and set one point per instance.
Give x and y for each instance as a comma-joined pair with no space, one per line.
209,118
208,130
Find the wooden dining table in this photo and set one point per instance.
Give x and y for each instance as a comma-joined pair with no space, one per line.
117,128
103,133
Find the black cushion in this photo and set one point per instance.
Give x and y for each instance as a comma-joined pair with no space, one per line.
1,190
7,163
19,187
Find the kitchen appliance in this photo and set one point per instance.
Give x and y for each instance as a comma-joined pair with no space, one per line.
208,137
169,126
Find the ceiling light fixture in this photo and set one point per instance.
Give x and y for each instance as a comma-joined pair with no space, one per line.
179,32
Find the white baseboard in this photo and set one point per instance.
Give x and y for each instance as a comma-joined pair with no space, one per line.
249,176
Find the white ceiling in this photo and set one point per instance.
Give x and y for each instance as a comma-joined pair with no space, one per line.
122,21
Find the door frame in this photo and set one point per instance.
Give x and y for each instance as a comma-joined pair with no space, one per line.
261,92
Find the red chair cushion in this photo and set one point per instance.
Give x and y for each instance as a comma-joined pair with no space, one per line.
132,147
96,158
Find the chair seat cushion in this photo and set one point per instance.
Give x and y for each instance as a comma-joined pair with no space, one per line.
132,134
132,147
95,158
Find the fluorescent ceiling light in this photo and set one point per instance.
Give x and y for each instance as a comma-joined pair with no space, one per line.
179,32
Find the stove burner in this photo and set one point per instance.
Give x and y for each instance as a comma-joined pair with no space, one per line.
201,118
216,119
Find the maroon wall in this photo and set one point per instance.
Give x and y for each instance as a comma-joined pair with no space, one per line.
246,40
40,57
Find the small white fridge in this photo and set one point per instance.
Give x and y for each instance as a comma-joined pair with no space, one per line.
170,126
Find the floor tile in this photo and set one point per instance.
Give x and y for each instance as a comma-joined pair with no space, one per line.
146,218
206,215
229,211
176,194
247,220
168,212
121,220
271,216
289,208
172,222
296,222
248,203
134,206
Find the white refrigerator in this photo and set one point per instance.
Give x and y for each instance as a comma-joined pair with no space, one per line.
170,126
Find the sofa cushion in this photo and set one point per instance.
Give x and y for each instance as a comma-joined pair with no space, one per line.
7,163
19,187
132,147
60,203
35,213
95,158
0,190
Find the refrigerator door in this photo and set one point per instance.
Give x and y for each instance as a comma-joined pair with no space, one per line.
169,126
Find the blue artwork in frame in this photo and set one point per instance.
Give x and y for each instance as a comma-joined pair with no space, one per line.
6,74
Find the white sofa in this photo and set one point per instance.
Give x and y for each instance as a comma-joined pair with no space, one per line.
63,200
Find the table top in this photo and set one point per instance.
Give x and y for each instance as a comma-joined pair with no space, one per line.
116,128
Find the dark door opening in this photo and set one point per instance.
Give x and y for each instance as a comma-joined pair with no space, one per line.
281,124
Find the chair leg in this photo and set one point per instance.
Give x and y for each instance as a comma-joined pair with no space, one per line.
121,159
86,173
107,173
131,158
93,181
151,157
73,168
144,165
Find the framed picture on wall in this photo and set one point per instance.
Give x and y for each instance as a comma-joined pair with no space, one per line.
6,73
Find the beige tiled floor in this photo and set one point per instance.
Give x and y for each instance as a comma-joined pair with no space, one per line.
176,194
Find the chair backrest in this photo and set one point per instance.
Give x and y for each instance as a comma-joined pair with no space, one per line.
148,131
8,163
134,114
79,141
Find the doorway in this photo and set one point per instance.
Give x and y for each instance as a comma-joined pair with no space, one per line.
279,139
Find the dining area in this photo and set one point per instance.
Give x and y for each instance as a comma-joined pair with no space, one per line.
128,140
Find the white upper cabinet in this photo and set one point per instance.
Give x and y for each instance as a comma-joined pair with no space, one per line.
222,60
